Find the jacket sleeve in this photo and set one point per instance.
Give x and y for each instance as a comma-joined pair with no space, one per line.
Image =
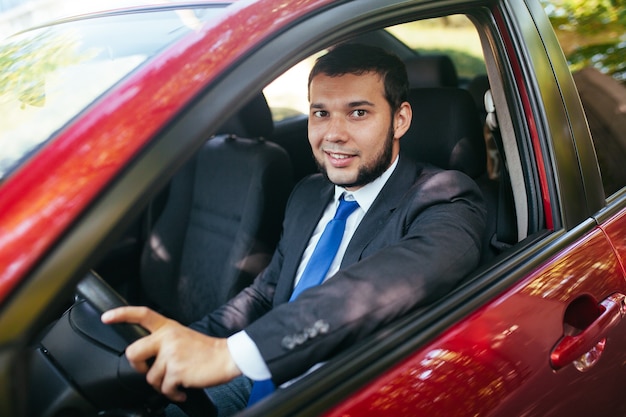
430,242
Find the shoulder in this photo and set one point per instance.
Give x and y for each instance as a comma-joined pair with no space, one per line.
414,175
421,179
444,180
434,186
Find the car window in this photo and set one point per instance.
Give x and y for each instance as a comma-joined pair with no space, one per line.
287,95
604,99
593,39
424,46
452,36
49,75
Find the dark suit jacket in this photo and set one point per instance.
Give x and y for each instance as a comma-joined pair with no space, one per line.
420,237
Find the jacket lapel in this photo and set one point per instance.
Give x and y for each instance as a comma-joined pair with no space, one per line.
310,210
385,204
312,206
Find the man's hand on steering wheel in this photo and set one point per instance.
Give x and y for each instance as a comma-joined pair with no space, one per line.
129,325
174,356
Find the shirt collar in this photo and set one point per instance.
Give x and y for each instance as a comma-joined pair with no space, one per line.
366,195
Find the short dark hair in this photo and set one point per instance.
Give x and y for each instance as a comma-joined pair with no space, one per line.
353,58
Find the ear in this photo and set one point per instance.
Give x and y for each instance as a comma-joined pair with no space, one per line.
402,120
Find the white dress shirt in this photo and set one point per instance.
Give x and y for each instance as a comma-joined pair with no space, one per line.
242,348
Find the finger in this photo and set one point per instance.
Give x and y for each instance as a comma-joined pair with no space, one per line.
164,379
171,387
142,352
141,366
143,316
155,374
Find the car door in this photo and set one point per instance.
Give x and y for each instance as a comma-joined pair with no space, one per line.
520,354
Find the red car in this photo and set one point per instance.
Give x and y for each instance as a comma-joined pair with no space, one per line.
144,149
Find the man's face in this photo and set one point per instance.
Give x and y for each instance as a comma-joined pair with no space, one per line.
352,133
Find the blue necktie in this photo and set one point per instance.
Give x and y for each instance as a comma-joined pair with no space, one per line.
314,274
326,249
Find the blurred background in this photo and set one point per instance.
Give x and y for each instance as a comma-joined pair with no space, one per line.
16,15
592,33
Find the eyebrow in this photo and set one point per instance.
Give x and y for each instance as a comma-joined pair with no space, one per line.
361,103
352,104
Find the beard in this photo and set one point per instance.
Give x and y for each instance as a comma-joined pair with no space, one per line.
368,172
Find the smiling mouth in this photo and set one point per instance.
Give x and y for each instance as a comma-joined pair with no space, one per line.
339,160
339,155
338,152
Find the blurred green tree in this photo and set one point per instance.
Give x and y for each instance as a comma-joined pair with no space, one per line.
592,33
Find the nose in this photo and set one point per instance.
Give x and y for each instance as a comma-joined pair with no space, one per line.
336,130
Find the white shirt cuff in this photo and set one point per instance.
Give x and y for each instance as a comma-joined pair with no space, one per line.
247,356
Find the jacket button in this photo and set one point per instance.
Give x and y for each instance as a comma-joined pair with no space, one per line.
311,331
288,342
300,338
321,327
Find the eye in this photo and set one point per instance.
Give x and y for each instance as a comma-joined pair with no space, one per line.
320,113
359,113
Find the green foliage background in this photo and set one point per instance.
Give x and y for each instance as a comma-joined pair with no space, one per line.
592,33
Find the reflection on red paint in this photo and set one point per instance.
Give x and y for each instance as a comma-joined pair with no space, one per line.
504,348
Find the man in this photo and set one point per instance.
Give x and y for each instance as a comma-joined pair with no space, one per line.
415,233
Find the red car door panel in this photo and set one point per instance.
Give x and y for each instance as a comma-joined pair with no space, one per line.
497,361
614,229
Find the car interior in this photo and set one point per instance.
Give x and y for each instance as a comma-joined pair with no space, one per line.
191,228
215,226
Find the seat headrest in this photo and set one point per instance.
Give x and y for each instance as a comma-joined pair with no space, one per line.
446,131
254,120
431,71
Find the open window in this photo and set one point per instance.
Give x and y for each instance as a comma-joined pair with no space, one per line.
447,61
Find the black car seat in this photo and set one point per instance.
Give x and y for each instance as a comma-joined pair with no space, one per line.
446,131
221,219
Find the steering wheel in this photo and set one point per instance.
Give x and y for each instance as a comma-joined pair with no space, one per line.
102,297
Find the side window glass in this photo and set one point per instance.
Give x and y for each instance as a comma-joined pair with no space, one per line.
604,101
287,95
442,53
454,36
593,38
